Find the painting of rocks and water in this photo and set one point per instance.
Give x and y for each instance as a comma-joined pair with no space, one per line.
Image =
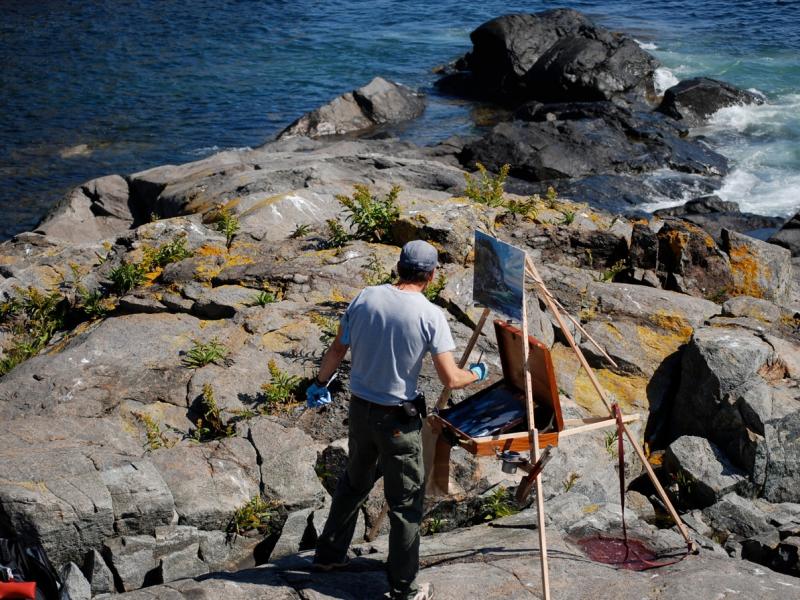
499,275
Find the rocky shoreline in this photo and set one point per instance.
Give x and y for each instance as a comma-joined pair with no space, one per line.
156,329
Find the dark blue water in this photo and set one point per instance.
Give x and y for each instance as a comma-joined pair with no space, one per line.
114,86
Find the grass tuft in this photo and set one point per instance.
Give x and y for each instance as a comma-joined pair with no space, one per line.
202,354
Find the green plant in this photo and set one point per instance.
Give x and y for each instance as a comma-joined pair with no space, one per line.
570,481
227,224
552,197
165,254
126,276
375,273
263,298
610,441
200,354
498,504
434,288
569,217
94,303
613,271
329,327
434,525
155,437
486,189
371,216
337,234
684,481
302,230
282,388
32,317
257,514
211,425
528,208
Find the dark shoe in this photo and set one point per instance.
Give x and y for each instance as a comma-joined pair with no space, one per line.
329,566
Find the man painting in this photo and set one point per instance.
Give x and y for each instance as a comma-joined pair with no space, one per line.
389,330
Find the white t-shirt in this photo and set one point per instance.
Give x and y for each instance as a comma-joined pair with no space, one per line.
389,332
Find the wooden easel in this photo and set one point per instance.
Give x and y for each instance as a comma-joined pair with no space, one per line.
575,426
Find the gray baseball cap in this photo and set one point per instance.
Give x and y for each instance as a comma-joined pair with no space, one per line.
419,255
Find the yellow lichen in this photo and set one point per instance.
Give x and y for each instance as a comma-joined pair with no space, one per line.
629,391
672,322
677,242
747,272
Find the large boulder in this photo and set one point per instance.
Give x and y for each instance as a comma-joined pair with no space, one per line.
74,482
693,101
97,210
726,396
604,66
780,456
704,472
789,235
759,269
555,55
576,140
380,102
505,48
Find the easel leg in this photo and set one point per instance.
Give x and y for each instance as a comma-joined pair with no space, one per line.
533,434
531,271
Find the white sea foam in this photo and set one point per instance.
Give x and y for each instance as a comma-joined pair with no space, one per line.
664,79
209,150
646,45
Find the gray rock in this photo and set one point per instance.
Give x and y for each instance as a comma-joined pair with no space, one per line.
693,101
710,474
788,556
781,455
221,552
737,515
132,560
209,481
90,376
98,573
182,564
74,584
761,548
721,367
287,457
755,308
789,235
223,302
97,210
377,103
759,269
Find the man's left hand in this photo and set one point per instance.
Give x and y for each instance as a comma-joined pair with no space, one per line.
317,395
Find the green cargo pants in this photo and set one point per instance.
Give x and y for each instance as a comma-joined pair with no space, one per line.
385,437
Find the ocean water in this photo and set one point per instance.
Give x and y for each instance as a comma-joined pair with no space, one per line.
94,88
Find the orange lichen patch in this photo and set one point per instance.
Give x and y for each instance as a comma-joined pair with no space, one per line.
656,458
747,272
677,241
629,391
211,250
338,296
150,278
672,322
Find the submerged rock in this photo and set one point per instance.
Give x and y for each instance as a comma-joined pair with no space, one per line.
693,101
380,102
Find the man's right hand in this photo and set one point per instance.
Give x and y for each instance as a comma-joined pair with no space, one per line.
480,369
317,395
